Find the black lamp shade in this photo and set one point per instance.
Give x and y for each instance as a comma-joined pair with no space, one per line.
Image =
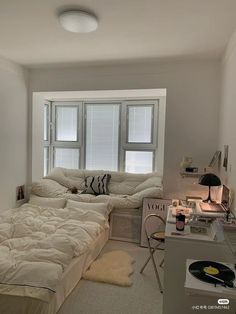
209,179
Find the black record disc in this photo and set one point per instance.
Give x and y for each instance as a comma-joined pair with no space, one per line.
209,271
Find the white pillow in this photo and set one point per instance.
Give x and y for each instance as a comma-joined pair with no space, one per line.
102,208
155,181
47,202
48,188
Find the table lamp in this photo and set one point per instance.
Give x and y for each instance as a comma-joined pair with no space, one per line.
209,179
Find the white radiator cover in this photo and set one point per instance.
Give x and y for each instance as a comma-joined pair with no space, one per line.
125,225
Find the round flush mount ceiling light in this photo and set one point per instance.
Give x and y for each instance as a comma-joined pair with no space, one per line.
77,21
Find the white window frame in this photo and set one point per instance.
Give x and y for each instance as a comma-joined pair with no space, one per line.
67,144
128,146
124,145
39,98
142,104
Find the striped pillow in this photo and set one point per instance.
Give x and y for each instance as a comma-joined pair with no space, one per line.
97,185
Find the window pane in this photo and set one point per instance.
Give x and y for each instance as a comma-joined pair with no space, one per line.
66,158
102,137
45,160
46,122
138,162
140,124
66,123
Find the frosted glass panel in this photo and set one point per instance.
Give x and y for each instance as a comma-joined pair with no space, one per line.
45,160
66,158
140,124
46,122
102,137
66,123
138,162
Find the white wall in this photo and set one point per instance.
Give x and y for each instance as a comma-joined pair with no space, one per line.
227,134
192,105
13,131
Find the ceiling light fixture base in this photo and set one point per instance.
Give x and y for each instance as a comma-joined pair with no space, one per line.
77,21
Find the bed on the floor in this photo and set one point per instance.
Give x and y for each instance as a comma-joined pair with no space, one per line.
44,251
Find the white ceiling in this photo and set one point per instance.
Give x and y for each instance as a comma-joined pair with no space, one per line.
30,33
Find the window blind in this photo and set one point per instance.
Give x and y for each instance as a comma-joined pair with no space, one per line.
102,136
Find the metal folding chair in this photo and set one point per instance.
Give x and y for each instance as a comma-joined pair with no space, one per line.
159,236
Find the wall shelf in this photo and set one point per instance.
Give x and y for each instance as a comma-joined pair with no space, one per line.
185,174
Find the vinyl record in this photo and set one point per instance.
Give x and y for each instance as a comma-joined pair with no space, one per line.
212,272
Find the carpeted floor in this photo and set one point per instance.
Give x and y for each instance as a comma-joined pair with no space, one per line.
97,298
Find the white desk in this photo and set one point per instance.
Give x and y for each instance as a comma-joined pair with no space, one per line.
186,234
177,250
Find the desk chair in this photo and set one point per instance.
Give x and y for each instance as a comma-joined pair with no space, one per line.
159,237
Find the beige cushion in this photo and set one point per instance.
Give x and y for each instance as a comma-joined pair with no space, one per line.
127,190
149,183
120,182
47,202
48,188
118,201
68,178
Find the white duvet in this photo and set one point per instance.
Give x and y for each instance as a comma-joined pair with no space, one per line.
37,244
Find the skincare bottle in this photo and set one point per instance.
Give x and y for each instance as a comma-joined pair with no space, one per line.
180,222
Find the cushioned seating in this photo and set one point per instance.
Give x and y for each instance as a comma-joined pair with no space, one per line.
126,190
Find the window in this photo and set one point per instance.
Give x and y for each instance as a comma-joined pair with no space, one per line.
66,123
102,136
110,135
140,124
46,137
138,161
46,160
66,157
46,122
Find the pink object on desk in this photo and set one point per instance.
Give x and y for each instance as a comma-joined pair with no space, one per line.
187,211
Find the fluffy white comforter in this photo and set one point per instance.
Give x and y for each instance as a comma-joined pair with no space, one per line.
37,244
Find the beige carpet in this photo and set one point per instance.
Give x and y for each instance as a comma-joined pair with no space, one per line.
114,267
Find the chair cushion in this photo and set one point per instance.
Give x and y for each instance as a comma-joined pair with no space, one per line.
159,236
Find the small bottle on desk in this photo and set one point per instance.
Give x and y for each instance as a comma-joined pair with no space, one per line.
180,222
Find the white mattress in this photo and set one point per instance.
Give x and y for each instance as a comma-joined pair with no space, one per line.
72,275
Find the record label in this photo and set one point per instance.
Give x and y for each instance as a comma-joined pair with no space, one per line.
212,272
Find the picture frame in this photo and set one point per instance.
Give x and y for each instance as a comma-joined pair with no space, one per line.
215,159
191,200
226,156
20,193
